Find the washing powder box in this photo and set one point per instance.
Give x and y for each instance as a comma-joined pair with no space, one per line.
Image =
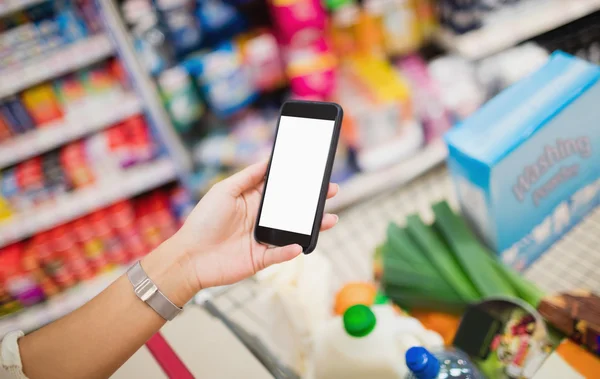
526,165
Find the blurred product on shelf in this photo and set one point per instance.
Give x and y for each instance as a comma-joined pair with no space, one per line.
260,53
311,69
223,79
178,17
180,98
533,145
443,266
426,99
55,260
77,164
379,119
34,32
40,106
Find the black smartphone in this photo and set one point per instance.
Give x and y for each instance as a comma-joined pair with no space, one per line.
293,200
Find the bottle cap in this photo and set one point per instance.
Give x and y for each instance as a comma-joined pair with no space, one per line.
380,298
422,363
359,320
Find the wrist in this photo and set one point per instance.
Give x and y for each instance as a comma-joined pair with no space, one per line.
170,270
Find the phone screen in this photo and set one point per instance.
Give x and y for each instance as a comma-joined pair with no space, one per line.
296,174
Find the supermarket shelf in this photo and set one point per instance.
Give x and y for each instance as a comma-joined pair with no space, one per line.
37,316
10,6
62,61
516,25
111,188
365,185
87,119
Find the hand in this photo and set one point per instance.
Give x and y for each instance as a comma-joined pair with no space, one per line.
216,245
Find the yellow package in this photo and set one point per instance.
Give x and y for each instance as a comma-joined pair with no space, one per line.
401,29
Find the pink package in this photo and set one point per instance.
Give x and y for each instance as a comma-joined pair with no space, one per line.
426,97
311,70
298,21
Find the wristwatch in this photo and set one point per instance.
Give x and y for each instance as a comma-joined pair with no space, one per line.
149,293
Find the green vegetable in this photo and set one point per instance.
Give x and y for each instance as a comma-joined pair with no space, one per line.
525,289
417,299
472,256
441,258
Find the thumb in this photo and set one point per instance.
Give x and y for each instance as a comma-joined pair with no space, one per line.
281,254
246,179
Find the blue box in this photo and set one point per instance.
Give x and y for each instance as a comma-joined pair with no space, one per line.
526,166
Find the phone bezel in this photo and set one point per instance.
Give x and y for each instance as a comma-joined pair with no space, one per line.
312,110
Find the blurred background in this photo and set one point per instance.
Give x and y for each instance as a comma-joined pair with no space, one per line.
116,116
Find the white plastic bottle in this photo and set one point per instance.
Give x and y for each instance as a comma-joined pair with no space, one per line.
362,344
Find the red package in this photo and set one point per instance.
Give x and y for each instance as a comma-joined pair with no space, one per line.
67,248
93,248
113,247
74,162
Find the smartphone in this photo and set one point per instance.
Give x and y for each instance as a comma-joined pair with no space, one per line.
297,180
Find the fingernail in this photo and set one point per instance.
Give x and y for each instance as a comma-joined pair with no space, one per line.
337,218
337,187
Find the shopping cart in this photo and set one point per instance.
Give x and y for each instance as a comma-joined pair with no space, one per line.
574,262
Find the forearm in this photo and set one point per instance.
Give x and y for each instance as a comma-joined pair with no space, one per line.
96,339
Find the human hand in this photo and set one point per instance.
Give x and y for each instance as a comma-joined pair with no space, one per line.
216,245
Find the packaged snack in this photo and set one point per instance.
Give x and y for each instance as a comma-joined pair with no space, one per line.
18,283
71,28
379,121
532,145
32,267
224,80
311,70
68,257
55,179
73,159
114,249
31,181
42,104
71,92
184,30
220,20
98,80
181,98
21,119
298,22
260,54
429,108
344,28
5,132
10,121
93,248
123,221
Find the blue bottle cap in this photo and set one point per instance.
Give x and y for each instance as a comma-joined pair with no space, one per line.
422,363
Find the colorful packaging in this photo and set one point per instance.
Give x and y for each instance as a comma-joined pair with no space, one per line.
429,108
42,105
10,121
178,17
298,22
93,248
344,28
122,218
70,91
67,258
220,20
401,33
525,165
180,98
139,139
9,187
31,182
260,54
73,159
21,119
98,80
224,80
114,249
71,28
311,70
5,132
55,179
18,283
379,121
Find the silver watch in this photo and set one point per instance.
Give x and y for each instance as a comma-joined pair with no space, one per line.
149,293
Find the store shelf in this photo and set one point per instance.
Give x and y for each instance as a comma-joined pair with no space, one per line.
33,318
87,119
365,185
10,6
515,25
64,60
111,188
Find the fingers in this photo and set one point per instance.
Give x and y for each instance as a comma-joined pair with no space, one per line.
246,179
329,221
333,190
281,254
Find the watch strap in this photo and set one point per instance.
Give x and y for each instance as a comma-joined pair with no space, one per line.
148,292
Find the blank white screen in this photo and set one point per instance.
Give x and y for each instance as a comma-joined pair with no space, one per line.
296,174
